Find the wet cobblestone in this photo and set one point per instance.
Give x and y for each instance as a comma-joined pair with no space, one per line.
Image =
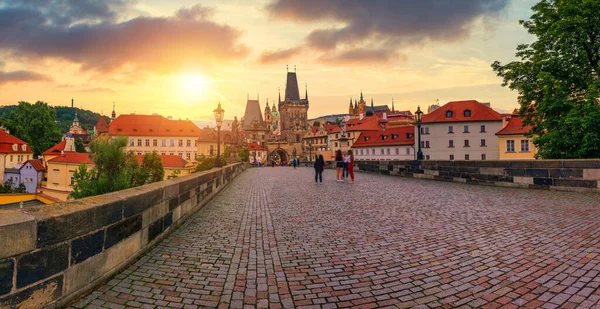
274,239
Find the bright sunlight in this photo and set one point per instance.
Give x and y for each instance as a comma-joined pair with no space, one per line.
192,86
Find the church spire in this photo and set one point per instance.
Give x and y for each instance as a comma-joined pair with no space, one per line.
72,103
279,91
306,92
114,113
361,96
76,120
393,105
372,105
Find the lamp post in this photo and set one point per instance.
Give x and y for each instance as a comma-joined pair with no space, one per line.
419,119
219,120
309,152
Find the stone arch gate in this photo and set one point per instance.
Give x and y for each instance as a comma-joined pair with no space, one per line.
279,155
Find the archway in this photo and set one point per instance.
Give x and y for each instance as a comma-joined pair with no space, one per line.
279,155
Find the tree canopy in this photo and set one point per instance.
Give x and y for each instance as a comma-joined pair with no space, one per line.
34,124
556,77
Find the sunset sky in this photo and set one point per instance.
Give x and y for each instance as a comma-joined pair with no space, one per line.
180,57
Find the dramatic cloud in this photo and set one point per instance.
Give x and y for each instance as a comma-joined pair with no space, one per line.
22,76
87,33
279,55
393,24
357,56
97,89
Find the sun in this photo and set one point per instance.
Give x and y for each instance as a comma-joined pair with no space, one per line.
192,85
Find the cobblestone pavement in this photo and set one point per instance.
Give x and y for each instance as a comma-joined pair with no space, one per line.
275,239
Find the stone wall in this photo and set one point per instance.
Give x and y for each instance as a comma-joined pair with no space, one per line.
49,255
560,175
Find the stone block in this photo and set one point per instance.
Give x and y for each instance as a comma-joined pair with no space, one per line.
184,197
524,180
17,233
458,179
571,189
188,185
520,164
136,204
536,172
423,176
42,264
186,207
37,296
55,229
122,230
123,251
155,229
173,203
87,246
591,174
581,163
516,172
168,220
152,214
542,181
580,183
546,164
81,274
511,184
538,187
171,191
432,172
565,173
176,214
7,270
497,171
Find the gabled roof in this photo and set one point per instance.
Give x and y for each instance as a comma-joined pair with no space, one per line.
36,164
332,128
152,125
101,125
56,149
371,123
168,161
72,157
255,147
395,136
514,127
479,112
7,141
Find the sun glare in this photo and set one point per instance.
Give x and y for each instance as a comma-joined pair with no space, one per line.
192,85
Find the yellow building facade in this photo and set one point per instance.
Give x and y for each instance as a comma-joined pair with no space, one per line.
512,142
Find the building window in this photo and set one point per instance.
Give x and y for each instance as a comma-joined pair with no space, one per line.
171,153
162,153
427,157
448,114
172,143
467,157
11,158
466,129
188,155
164,143
524,145
188,143
467,143
155,143
55,178
450,129
72,181
425,130
407,150
373,151
181,154
180,143
467,113
483,156
397,151
483,143
336,136
211,150
452,157
131,142
195,143
382,153
450,143
483,128
147,143
335,144
510,146
139,142
388,151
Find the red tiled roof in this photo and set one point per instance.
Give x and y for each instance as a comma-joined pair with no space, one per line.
255,147
514,127
479,112
101,125
394,136
152,125
7,141
315,129
56,149
371,123
36,164
332,128
72,157
167,161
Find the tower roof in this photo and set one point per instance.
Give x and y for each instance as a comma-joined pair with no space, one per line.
291,87
252,113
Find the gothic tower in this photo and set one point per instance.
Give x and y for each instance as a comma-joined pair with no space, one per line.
293,111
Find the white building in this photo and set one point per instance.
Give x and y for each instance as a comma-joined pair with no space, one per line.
257,152
461,130
395,143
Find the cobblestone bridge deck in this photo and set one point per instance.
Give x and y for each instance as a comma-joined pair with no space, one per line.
275,239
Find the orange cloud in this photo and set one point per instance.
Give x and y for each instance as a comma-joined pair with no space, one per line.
279,55
22,76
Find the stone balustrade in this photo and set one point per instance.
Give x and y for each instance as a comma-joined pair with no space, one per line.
50,255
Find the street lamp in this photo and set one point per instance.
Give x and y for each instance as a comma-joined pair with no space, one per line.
419,119
219,120
310,152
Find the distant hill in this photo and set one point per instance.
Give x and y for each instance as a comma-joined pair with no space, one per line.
65,116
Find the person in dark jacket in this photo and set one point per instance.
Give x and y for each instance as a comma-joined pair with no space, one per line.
319,167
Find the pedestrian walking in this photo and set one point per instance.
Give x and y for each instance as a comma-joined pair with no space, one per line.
345,171
339,165
350,158
319,167
294,162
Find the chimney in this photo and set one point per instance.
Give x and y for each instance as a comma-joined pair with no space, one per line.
505,121
384,116
360,116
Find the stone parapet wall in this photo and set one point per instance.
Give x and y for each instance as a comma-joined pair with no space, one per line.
50,255
560,175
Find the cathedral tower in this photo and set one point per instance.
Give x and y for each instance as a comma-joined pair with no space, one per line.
293,111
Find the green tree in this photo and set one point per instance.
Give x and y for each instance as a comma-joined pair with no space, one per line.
204,163
244,154
174,174
154,167
34,124
83,182
556,77
79,147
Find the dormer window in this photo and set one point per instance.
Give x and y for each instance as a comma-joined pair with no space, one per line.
394,136
449,114
383,137
366,138
14,147
24,147
467,113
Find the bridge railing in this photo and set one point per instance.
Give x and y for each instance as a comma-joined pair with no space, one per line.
50,255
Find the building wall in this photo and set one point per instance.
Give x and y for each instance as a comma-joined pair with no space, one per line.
59,175
204,148
293,117
31,178
12,159
402,152
438,140
517,154
184,171
260,155
171,145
